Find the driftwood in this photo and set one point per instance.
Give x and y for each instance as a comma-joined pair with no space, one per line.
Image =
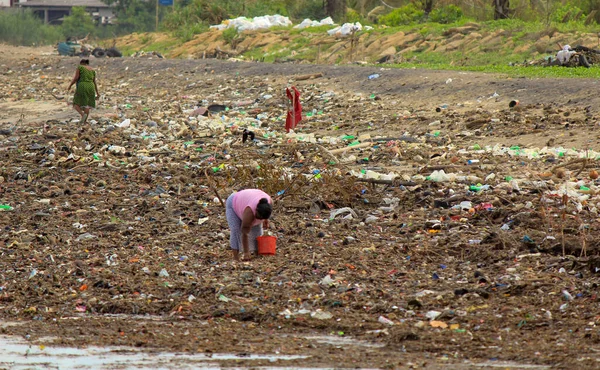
226,53
327,153
583,161
477,124
388,182
308,77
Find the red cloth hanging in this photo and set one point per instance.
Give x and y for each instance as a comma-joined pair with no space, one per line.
295,115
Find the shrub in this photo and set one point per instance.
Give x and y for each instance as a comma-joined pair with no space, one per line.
352,16
568,12
407,14
230,34
446,14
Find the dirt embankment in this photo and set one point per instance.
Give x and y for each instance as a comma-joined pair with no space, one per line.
282,45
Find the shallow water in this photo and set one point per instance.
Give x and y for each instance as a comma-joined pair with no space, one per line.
342,341
16,353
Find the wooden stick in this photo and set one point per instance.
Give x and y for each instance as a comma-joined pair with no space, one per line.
388,182
579,160
210,184
359,146
327,153
582,167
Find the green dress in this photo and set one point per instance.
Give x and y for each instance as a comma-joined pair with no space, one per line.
85,93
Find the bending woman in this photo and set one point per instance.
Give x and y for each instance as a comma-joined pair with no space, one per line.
86,90
247,212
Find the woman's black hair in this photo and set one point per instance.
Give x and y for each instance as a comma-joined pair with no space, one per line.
84,61
263,209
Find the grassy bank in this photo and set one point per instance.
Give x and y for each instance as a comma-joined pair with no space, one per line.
513,71
463,46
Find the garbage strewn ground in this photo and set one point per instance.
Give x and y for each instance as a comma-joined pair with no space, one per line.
415,211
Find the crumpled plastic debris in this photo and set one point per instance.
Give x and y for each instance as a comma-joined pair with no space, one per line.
336,212
348,28
310,23
256,23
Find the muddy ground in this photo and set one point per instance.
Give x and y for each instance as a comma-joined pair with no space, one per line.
114,234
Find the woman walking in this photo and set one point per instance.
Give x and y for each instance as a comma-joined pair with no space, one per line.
247,211
86,90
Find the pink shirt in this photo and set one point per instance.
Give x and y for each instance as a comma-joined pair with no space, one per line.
249,198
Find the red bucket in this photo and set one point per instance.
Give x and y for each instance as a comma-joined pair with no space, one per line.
266,244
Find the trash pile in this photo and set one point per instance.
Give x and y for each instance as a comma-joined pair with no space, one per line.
111,52
268,21
256,23
347,29
400,222
579,56
147,54
310,23
81,49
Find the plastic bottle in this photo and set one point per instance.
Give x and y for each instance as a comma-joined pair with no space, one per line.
384,320
439,176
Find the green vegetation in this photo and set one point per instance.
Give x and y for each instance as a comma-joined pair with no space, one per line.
24,28
352,16
446,14
229,35
408,14
79,24
135,15
193,17
568,13
161,46
188,18
318,30
514,71
458,59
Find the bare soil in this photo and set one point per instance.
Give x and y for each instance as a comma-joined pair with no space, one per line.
499,292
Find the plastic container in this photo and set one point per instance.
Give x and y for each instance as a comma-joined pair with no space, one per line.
266,244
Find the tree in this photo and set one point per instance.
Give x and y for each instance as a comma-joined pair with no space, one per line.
79,24
134,15
425,5
501,9
336,9
313,9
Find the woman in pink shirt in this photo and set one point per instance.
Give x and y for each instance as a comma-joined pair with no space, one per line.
247,211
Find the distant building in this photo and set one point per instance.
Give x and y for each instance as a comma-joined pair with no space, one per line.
6,3
53,11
